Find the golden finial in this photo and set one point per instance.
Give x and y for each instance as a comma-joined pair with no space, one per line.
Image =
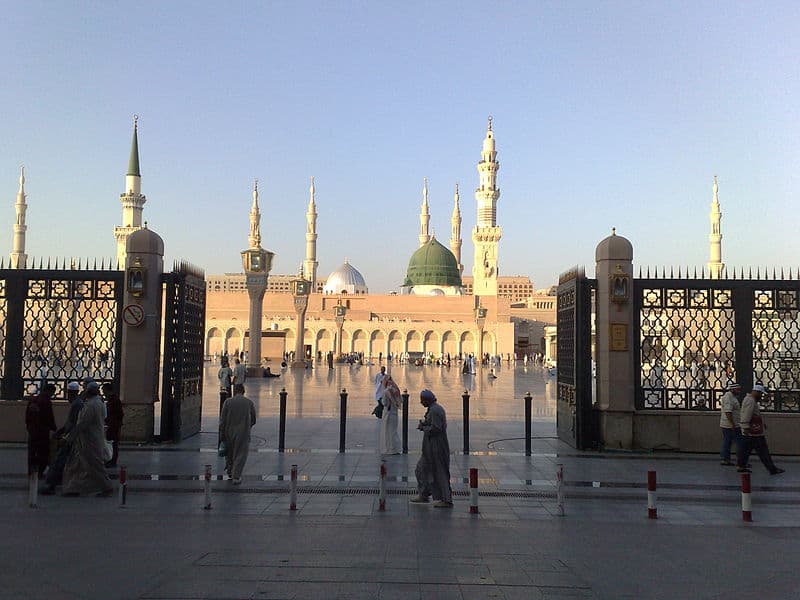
490,123
613,231
135,121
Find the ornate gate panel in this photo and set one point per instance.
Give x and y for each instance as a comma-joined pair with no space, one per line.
184,330
574,417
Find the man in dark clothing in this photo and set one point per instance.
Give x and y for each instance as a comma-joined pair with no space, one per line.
114,416
40,421
433,467
56,470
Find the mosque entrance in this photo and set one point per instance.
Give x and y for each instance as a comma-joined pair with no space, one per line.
574,415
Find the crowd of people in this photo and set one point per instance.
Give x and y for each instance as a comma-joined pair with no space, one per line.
77,454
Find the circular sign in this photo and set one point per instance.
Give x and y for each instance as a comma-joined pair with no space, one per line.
133,315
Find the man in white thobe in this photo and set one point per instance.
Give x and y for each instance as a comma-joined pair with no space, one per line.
238,416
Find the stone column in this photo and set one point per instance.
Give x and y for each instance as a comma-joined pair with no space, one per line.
141,338
614,341
300,306
256,286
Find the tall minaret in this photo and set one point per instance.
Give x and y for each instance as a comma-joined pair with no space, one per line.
19,259
310,264
715,265
486,235
254,237
424,216
455,231
132,200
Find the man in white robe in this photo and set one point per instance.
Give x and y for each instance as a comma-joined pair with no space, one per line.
85,471
392,401
238,416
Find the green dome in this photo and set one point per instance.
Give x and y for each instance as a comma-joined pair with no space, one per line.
433,264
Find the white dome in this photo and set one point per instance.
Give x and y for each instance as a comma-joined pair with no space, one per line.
345,280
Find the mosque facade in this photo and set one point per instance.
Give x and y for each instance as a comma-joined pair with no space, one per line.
436,311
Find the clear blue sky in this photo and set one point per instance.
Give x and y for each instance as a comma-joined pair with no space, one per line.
606,114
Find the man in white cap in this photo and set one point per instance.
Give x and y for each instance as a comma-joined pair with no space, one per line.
753,433
729,421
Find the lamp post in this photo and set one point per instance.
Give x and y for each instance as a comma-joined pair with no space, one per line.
339,312
480,321
300,291
257,263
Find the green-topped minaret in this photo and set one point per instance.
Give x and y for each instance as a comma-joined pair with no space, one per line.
132,199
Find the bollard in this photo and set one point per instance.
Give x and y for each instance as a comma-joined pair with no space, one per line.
528,414
382,489
342,419
560,489
473,491
282,421
652,511
33,488
293,489
465,398
404,396
747,503
123,486
207,487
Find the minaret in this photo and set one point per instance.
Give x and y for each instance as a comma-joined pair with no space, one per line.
132,200
19,259
715,265
455,231
424,216
254,237
486,235
310,264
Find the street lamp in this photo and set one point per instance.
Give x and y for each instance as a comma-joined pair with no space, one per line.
339,313
257,264
300,291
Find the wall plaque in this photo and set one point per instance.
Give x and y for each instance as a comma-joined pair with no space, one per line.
618,337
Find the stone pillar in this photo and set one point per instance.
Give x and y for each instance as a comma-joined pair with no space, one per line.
614,341
141,333
256,286
300,306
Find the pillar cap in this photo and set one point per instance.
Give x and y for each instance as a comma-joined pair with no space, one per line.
145,241
614,247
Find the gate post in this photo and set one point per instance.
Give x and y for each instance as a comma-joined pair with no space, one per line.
615,328
141,333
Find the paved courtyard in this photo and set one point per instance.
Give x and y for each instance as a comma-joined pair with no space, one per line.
163,544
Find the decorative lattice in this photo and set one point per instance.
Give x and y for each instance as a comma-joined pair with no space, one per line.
3,320
70,331
776,347
687,347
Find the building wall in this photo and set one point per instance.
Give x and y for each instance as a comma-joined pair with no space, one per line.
374,323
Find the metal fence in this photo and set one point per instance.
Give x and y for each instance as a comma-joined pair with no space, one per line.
693,336
58,325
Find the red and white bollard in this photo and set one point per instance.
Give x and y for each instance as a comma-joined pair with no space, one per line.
123,486
382,488
747,503
33,489
207,487
652,511
473,491
560,490
293,489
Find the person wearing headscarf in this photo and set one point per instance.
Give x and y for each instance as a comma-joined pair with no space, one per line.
238,416
114,415
392,401
55,472
433,468
85,471
39,421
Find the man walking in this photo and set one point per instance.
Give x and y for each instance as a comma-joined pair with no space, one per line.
238,416
56,470
729,422
225,374
433,468
239,372
753,433
39,421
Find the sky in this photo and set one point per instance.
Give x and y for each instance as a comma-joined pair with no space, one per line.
606,114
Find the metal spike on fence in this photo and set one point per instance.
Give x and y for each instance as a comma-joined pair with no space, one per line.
640,271
749,273
695,273
2,262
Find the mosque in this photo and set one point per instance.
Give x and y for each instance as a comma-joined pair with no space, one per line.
436,310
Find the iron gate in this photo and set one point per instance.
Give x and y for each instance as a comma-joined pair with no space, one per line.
694,335
184,329
574,416
59,325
